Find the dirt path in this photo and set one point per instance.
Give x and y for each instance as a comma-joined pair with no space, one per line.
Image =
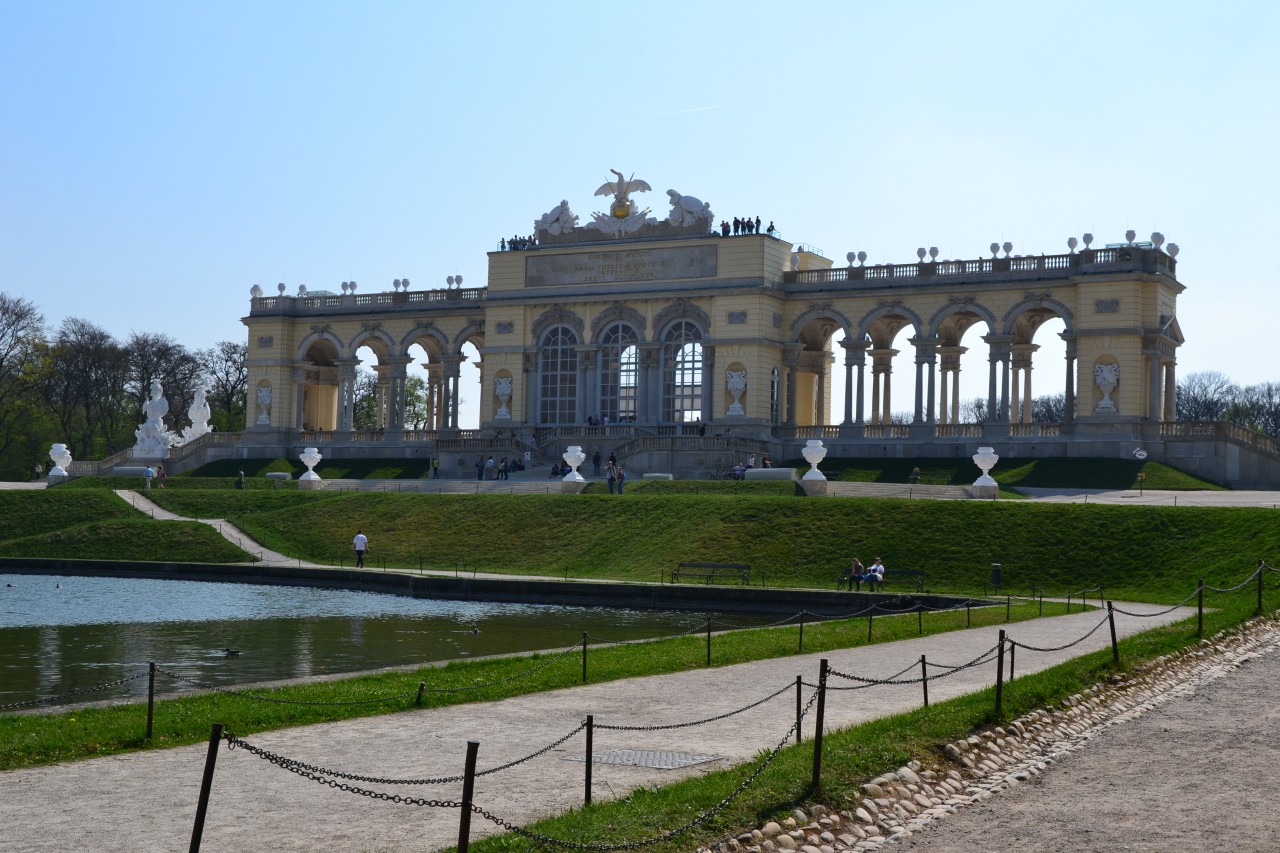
1196,773
146,801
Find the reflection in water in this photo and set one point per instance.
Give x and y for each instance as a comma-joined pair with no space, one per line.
59,634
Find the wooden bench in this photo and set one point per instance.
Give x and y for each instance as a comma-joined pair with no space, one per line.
711,571
915,576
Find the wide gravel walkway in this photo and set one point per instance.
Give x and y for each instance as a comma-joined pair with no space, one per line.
146,801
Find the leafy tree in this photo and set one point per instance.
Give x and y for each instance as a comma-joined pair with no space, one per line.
21,345
415,403
82,382
364,413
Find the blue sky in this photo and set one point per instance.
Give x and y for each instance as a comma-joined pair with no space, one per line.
161,158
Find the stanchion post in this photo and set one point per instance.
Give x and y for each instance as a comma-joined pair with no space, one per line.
870,613
1260,574
1200,608
802,630
799,709
151,698
708,642
920,620
817,731
1042,603
1000,675
591,730
468,787
968,614
1068,602
206,785
584,657
1008,599
1013,647
422,686
1115,644
924,679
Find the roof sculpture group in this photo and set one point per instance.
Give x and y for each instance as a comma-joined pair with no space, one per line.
623,218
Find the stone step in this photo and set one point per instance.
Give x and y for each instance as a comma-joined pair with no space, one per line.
840,489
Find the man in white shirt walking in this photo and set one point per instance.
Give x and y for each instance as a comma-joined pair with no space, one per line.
361,544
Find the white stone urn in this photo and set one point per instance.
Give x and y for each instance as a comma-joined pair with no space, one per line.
813,453
574,457
986,459
736,383
502,387
311,458
61,458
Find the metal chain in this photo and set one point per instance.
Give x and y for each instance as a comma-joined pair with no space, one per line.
657,728
893,679
1014,642
257,697
670,834
289,764
1158,612
1238,586
78,692
234,742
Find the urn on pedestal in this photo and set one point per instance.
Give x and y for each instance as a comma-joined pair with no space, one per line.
311,458
61,458
813,453
574,457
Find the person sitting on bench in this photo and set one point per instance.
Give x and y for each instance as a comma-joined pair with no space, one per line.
853,574
874,575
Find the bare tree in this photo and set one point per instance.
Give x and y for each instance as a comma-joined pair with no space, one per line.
1257,407
225,371
83,385
1050,409
158,357
1205,396
974,411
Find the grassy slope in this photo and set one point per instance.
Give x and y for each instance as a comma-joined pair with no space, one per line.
97,525
788,541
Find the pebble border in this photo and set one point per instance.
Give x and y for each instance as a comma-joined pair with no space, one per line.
895,805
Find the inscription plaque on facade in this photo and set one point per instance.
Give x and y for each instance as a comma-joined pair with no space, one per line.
619,266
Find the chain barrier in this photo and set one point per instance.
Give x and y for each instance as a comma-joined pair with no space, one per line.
664,727
258,697
31,703
893,679
1161,612
575,648
988,655
289,763
670,834
1014,642
1238,586
234,742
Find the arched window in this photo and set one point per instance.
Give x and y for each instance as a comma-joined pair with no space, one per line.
558,376
682,373
619,373
775,392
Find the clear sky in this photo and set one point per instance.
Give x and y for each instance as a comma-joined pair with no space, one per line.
161,158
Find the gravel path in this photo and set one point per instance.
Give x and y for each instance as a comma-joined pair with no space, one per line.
146,801
1195,773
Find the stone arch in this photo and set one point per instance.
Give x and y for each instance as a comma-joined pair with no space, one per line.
557,315
618,313
818,312
681,309
957,317
332,349
373,336
472,332
428,332
1040,306
879,322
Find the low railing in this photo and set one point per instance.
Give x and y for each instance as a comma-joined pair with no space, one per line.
1090,260
347,301
1220,429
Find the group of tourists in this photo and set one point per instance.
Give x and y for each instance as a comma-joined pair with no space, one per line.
745,225
855,575
517,243
486,469
740,470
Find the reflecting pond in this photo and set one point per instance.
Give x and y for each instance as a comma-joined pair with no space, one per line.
60,634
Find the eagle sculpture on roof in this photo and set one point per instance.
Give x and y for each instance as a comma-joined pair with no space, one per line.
622,188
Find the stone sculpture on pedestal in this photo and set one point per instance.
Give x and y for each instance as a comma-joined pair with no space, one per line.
1107,376
152,439
736,383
